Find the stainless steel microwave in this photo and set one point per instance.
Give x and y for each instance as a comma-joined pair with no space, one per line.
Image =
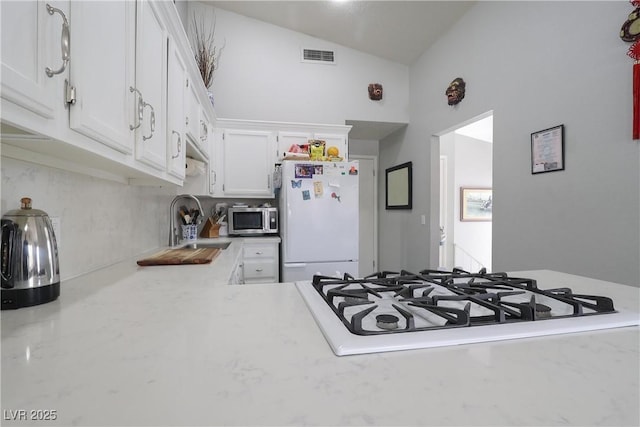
245,221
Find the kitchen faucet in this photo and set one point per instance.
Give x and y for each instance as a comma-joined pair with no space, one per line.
173,230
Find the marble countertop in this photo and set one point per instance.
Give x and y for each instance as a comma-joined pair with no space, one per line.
176,345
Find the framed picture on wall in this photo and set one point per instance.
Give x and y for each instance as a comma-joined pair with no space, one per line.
476,204
547,150
398,184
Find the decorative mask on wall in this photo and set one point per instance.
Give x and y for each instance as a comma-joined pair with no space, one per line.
375,91
455,91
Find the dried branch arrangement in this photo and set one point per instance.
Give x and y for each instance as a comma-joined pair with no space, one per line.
206,53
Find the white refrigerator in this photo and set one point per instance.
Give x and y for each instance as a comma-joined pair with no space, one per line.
319,219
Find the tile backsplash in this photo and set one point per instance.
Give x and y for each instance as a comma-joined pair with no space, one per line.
101,222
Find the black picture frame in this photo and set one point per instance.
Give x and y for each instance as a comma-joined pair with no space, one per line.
547,150
398,185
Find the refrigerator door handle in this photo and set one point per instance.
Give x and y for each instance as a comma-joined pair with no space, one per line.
296,265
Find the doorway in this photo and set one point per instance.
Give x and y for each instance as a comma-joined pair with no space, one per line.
465,165
368,216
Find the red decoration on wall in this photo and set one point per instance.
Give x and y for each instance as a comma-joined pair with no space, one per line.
630,32
634,52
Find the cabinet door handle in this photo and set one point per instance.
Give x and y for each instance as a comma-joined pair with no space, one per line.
204,129
258,253
140,107
152,122
179,143
65,40
258,270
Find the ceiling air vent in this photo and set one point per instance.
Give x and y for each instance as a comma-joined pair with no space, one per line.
318,56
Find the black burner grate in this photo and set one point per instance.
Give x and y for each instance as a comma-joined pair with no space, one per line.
434,299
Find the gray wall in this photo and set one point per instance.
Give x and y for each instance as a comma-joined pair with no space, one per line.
363,147
536,65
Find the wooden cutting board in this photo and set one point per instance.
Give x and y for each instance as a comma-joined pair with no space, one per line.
181,256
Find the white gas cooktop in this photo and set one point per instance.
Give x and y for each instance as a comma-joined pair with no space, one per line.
404,311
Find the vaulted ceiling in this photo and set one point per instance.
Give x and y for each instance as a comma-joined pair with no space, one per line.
399,31
396,30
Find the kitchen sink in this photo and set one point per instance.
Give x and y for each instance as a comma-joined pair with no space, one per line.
219,245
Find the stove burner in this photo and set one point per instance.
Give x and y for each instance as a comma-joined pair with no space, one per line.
543,311
353,300
387,321
432,300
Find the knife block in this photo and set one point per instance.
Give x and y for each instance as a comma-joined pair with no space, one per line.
210,229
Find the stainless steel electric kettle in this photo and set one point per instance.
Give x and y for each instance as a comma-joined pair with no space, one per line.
30,268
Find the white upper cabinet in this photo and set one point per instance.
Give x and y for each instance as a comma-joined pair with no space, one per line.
248,163
288,138
176,135
192,116
150,88
102,71
334,140
90,79
245,153
35,41
300,134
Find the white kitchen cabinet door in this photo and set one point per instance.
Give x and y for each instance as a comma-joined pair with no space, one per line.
260,262
192,119
248,163
102,71
150,89
176,82
334,140
286,139
31,44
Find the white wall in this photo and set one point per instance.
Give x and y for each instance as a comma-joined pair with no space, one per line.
261,76
102,222
536,65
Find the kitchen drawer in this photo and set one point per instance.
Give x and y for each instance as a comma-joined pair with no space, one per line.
259,269
260,251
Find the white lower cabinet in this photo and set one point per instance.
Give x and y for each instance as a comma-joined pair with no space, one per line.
261,262
236,274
